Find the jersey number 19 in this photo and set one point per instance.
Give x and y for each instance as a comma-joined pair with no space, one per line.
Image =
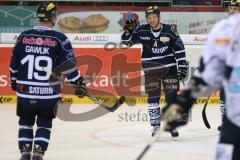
34,63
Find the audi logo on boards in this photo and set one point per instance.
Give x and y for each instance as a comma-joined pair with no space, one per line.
100,38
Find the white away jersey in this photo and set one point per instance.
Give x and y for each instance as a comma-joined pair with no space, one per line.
221,59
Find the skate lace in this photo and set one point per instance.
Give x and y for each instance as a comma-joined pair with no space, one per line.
26,148
37,153
38,150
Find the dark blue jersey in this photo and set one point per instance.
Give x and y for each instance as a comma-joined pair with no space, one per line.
36,54
163,48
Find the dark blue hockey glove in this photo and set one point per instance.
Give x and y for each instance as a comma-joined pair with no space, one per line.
80,87
176,112
131,24
182,70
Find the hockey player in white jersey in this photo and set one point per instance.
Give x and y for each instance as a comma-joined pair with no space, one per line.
37,52
219,66
233,7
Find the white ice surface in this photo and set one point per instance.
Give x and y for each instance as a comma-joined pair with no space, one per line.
116,136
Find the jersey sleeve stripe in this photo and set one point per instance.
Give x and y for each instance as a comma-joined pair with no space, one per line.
13,78
181,59
12,70
159,57
159,67
179,51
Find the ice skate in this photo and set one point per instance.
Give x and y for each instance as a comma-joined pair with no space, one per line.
26,152
37,157
26,156
37,153
174,134
155,130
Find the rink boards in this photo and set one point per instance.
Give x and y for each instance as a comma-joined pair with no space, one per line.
12,99
110,61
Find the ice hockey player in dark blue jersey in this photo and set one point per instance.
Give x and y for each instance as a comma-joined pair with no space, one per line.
36,54
163,60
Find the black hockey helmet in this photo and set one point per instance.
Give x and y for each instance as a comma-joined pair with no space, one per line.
235,3
46,11
152,10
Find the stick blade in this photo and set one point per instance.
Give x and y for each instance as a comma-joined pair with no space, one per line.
117,104
204,116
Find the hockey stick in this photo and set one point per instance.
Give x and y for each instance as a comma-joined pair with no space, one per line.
151,142
117,104
204,116
113,108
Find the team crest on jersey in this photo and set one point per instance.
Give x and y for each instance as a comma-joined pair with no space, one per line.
164,39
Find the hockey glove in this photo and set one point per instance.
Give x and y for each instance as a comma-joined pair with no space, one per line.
80,87
176,112
182,70
13,85
131,24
